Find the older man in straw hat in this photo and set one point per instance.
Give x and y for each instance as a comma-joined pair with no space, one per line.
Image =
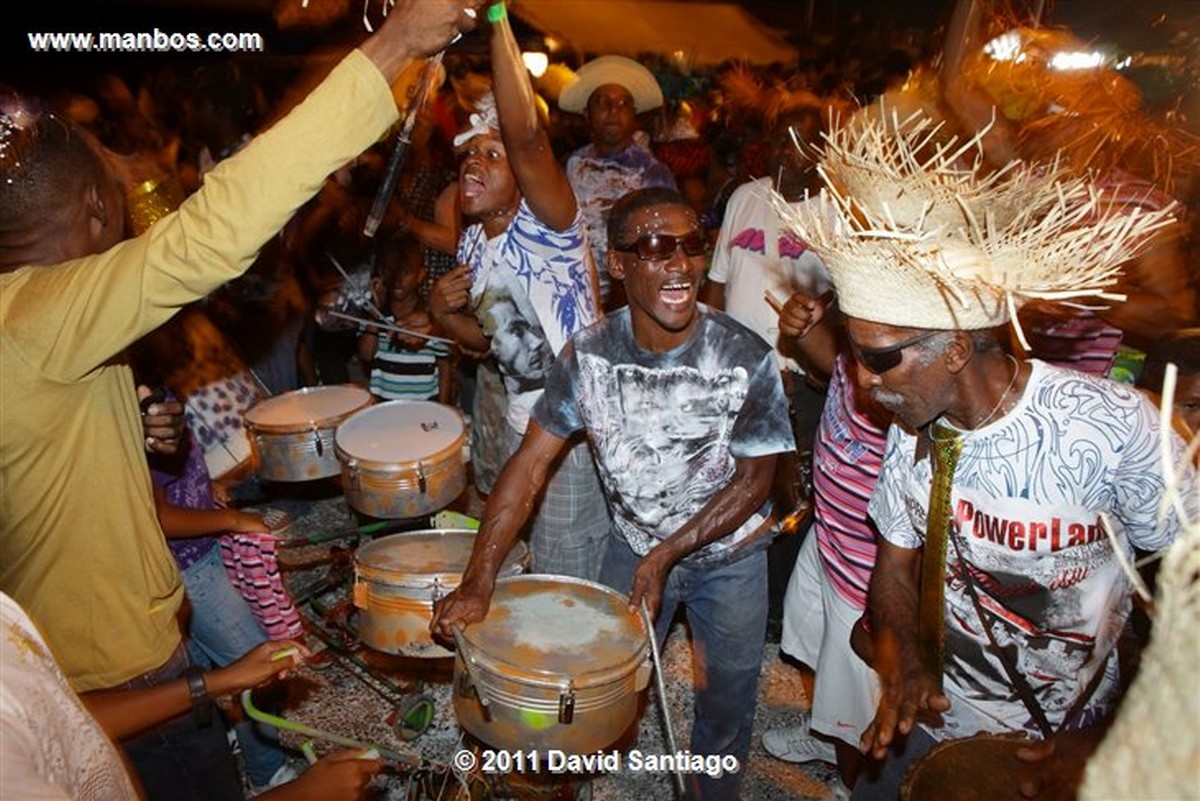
610,92
997,599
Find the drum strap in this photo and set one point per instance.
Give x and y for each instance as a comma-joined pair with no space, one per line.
1006,655
945,446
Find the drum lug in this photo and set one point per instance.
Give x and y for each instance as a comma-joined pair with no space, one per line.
436,594
320,446
421,478
566,705
352,476
470,677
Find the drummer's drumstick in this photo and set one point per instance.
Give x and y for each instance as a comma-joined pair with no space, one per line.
662,693
371,307
394,328
772,301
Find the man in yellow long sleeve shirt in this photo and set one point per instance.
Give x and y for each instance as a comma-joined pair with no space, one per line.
80,547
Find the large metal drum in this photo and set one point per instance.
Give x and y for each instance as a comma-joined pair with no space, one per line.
292,433
557,663
402,459
397,580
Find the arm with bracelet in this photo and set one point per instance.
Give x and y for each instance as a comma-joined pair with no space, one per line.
126,713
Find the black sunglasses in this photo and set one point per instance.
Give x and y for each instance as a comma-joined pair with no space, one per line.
657,247
881,360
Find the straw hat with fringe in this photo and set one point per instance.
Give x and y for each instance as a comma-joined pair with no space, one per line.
921,235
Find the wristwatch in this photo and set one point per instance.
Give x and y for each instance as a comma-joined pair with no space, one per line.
202,708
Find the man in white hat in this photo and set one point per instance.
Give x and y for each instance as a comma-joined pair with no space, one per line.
997,599
610,92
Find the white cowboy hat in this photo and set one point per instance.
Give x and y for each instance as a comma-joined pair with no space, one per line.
612,69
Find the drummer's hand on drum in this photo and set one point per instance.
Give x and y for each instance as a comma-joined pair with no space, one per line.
162,422
268,660
452,292
459,609
1059,763
343,775
908,693
648,581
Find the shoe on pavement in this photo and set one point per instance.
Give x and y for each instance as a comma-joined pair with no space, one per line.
797,744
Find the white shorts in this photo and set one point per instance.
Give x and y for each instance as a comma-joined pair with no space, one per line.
816,631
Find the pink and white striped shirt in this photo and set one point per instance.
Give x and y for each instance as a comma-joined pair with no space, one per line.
847,457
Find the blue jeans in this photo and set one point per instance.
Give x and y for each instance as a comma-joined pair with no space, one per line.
726,610
179,760
221,630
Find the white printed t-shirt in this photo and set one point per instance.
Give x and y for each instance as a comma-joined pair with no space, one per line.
756,253
532,288
1028,492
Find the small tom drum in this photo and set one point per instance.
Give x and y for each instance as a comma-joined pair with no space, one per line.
292,433
557,663
398,579
402,459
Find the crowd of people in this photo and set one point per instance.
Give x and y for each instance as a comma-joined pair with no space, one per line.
871,366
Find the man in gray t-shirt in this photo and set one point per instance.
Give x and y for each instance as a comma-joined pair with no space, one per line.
685,413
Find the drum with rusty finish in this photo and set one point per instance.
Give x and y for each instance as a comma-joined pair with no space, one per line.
398,578
402,459
983,767
292,433
557,663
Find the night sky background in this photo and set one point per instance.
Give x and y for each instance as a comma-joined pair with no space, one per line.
1129,25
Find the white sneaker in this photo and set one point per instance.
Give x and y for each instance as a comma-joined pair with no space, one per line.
797,744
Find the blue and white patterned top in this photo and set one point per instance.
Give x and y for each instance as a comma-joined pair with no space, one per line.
600,181
532,288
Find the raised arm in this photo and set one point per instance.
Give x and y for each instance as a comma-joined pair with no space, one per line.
541,178
972,107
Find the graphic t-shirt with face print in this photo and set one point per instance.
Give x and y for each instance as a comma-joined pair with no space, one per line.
666,428
532,287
